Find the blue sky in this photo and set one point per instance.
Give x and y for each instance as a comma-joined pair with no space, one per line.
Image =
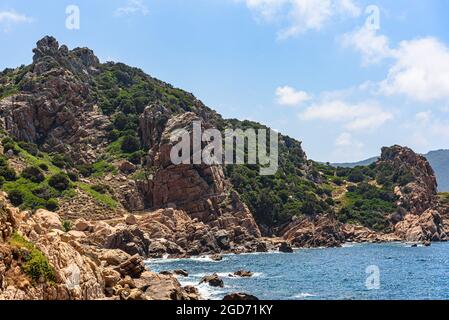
315,70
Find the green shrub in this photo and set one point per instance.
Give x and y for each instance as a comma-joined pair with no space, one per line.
42,192
100,188
16,197
338,181
121,121
7,140
3,161
136,157
66,225
85,170
36,265
369,206
8,174
31,148
356,176
62,162
102,167
59,181
105,199
43,166
130,144
33,174
9,144
72,176
52,205
113,135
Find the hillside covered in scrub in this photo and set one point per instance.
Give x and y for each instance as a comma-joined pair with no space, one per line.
438,159
87,140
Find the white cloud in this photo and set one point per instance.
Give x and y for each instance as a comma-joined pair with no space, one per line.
440,130
424,117
343,140
427,131
11,17
355,117
372,47
288,96
347,148
133,7
421,71
299,16
349,7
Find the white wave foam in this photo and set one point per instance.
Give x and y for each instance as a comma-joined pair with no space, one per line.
304,295
165,259
205,259
232,276
206,291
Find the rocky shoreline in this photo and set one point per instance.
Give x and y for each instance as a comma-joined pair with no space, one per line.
100,260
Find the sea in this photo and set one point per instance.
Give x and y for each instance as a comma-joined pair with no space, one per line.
392,271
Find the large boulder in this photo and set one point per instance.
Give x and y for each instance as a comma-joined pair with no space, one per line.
113,257
46,220
130,239
238,296
164,287
132,267
213,280
243,274
320,231
426,227
285,247
81,225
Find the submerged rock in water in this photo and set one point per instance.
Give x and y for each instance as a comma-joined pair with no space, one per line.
243,274
238,296
286,247
213,280
216,257
181,272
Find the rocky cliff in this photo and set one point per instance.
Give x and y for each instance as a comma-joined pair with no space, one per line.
420,219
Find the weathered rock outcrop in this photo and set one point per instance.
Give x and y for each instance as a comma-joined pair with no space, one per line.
320,231
79,271
356,233
426,227
55,108
419,194
129,239
198,189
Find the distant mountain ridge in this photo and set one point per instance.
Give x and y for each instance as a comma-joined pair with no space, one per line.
366,162
438,159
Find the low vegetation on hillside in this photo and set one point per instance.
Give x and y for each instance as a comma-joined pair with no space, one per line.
361,195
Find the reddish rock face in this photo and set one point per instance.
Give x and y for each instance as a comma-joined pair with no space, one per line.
418,197
200,190
420,194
